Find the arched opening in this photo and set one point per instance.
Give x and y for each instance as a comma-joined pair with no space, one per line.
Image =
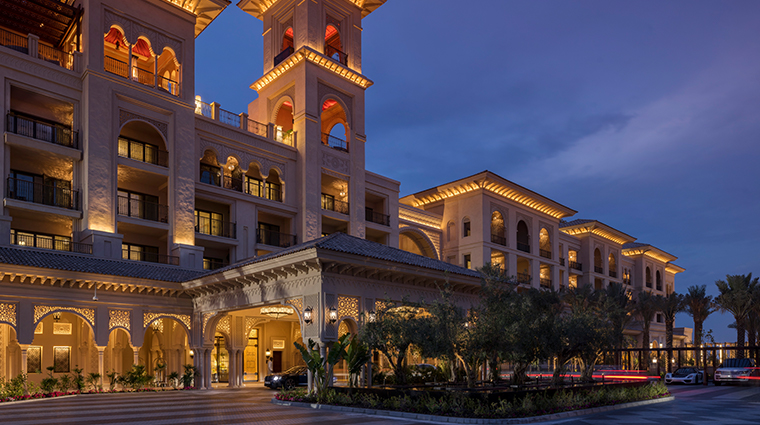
658,280
274,186
598,266
10,361
62,341
287,46
523,271
333,46
220,359
544,244
648,278
211,172
251,356
233,175
466,227
498,230
165,349
168,71
612,264
141,141
334,125
284,123
143,62
523,237
116,52
118,356
416,244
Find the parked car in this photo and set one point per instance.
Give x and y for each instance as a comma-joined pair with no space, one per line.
736,370
293,377
685,375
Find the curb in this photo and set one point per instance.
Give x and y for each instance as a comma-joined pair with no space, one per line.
450,419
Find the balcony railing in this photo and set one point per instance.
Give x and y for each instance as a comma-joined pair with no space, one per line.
143,152
146,210
524,247
214,227
143,76
544,253
659,287
283,55
233,183
229,118
115,66
272,238
169,85
213,264
546,283
49,242
334,142
498,239
282,136
561,261
242,122
38,193
649,284
523,278
55,56
256,128
37,128
14,41
203,108
576,265
336,55
149,257
598,269
613,274
332,204
376,217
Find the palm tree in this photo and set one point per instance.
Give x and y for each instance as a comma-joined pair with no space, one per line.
670,305
699,305
619,306
646,307
736,298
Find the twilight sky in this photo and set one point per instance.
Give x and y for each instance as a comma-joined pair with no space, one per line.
644,115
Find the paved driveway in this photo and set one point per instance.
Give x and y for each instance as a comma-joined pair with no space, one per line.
693,405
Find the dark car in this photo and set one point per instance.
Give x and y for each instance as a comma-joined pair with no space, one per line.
736,370
291,378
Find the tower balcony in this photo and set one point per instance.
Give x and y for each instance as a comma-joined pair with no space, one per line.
26,190
41,129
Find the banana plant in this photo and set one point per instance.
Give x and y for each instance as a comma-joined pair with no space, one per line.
321,368
357,355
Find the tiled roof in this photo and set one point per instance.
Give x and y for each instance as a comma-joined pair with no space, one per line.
575,222
630,245
341,242
57,260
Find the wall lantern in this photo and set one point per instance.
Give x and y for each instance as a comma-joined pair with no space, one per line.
192,353
333,315
268,354
57,316
307,315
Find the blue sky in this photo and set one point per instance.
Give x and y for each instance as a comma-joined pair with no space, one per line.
644,115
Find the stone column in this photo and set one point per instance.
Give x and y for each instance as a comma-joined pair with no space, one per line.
101,369
136,352
24,348
232,369
207,366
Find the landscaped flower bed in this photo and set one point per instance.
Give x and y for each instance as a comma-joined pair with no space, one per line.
463,405
53,394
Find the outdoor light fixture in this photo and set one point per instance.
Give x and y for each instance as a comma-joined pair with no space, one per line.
192,353
95,294
372,315
57,316
307,315
268,353
654,360
276,311
155,325
333,315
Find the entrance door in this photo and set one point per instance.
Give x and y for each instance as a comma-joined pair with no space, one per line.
277,361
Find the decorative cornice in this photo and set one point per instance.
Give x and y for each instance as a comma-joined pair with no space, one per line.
41,311
119,319
149,317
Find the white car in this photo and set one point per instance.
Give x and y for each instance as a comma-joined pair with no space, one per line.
685,375
736,370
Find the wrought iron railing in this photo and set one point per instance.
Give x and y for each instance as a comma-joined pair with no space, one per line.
376,217
53,55
38,193
214,227
498,239
149,257
143,152
273,193
35,240
544,253
576,265
143,76
146,210
233,183
598,269
524,247
115,66
546,283
229,118
523,278
283,55
331,204
649,284
14,41
169,85
334,142
336,55
37,128
659,287
273,238
561,261
203,108
613,274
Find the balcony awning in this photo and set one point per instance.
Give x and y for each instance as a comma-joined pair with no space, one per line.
53,21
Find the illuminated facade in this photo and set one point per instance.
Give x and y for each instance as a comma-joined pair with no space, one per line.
141,224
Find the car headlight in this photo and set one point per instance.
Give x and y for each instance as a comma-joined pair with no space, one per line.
744,373
275,378
690,376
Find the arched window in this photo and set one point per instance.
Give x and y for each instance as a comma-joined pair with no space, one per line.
168,70
466,229
523,237
211,172
544,244
287,46
659,281
334,125
233,175
498,229
450,231
143,62
333,46
598,266
649,278
612,264
283,123
274,186
116,53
